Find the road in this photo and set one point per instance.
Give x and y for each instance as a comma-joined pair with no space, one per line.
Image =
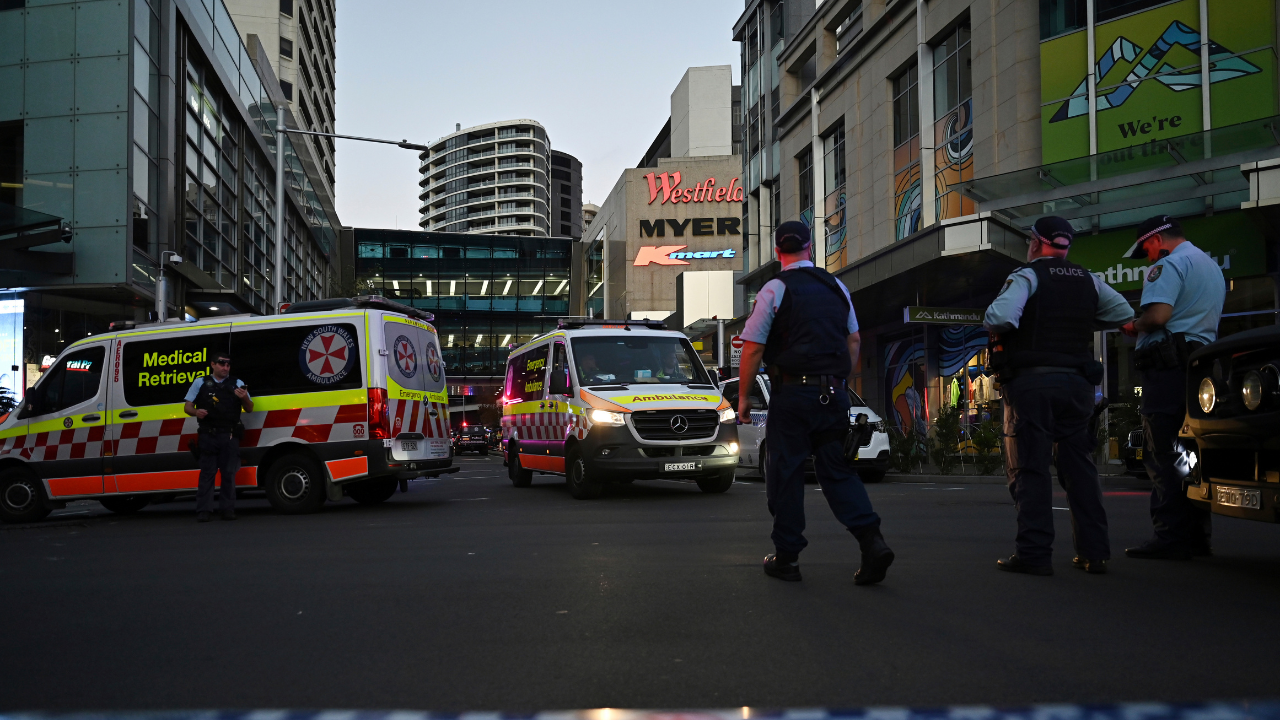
468,594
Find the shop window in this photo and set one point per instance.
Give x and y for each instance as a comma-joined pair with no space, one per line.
906,154
805,191
953,124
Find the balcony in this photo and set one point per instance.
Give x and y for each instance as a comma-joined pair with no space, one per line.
515,193
515,163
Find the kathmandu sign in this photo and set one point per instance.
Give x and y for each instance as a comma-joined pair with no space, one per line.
668,186
675,255
942,315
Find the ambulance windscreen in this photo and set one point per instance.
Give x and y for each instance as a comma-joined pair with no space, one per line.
636,359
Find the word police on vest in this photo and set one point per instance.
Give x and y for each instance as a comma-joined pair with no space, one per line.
1069,271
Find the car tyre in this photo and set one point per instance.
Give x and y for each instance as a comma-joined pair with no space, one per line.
520,477
22,497
373,490
125,504
295,485
718,483
581,485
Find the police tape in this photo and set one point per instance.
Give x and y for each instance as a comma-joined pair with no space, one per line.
1235,710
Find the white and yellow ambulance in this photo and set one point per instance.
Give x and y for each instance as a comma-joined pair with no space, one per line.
349,398
602,401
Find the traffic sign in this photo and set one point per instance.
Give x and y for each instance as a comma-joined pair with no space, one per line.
735,351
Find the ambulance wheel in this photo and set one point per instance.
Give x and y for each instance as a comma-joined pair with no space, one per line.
716,483
21,497
373,490
295,485
520,477
581,485
125,504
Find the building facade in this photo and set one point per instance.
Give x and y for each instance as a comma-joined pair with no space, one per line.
299,38
498,179
922,140
135,134
489,293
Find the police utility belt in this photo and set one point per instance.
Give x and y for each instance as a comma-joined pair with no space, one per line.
1170,353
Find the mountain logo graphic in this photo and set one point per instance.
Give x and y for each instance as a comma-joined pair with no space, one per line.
1223,66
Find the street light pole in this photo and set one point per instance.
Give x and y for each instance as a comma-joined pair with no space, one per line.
278,276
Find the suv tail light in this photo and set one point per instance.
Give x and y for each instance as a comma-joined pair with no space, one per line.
379,421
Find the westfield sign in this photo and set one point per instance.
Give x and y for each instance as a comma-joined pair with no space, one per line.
668,186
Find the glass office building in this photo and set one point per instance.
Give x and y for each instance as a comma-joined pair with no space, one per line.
489,293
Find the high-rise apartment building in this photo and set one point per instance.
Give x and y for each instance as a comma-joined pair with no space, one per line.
299,38
500,178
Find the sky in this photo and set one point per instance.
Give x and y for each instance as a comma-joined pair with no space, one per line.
597,75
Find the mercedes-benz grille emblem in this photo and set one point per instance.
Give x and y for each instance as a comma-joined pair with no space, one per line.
679,423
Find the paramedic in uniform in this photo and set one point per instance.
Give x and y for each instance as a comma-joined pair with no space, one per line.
216,401
1182,298
1044,319
803,326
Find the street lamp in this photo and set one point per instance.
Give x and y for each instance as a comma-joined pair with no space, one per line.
278,298
162,284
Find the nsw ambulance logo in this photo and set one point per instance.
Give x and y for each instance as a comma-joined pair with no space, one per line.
327,354
434,366
406,356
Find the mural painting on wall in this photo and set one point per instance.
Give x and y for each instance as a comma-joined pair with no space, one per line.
954,160
1148,70
957,345
907,196
905,381
837,257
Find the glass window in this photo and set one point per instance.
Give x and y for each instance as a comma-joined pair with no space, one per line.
953,126
560,365
160,371
307,358
1062,16
525,375
906,154
805,191
74,380
286,48
637,359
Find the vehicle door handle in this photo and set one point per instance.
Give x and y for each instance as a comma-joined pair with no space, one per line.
90,418
129,414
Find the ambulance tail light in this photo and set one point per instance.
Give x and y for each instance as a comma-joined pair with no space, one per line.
379,419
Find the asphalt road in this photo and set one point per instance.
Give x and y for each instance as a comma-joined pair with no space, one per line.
468,594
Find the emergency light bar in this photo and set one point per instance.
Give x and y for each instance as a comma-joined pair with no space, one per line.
370,302
578,322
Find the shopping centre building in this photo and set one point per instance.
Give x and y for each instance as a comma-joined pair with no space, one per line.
922,140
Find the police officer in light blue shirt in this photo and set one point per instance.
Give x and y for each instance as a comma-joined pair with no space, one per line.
1182,299
1043,322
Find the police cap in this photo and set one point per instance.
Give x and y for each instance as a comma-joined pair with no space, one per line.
792,236
1052,229
1148,229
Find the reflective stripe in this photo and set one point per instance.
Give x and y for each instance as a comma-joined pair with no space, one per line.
348,467
175,480
546,463
87,485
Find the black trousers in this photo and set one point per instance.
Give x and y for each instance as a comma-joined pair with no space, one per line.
1175,518
219,453
1040,410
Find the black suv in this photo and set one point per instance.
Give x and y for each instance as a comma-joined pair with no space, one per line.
471,437
1233,403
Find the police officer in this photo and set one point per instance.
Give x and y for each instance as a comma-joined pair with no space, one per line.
804,327
1043,322
216,402
1181,305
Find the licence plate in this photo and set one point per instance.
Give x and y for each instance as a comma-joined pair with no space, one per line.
1236,497
679,466
408,445
1137,454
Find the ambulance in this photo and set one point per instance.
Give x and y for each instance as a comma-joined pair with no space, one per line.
611,401
349,399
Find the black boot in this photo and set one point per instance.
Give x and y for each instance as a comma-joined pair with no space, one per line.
781,569
876,556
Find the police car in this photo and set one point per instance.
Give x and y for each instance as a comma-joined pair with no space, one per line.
873,457
602,401
349,398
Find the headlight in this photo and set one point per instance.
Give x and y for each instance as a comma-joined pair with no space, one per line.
733,448
604,417
727,415
1251,390
1208,395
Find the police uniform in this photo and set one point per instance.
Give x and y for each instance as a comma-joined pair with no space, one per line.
218,439
1044,319
1192,283
804,317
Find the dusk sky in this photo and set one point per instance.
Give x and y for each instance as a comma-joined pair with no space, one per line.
598,76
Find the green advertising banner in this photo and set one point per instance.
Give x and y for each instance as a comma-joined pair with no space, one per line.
1231,239
1148,70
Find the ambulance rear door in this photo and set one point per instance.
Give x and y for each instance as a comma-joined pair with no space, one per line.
150,432
66,415
417,403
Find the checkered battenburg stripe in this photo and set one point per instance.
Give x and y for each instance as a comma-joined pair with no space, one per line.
547,425
1246,710
415,416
